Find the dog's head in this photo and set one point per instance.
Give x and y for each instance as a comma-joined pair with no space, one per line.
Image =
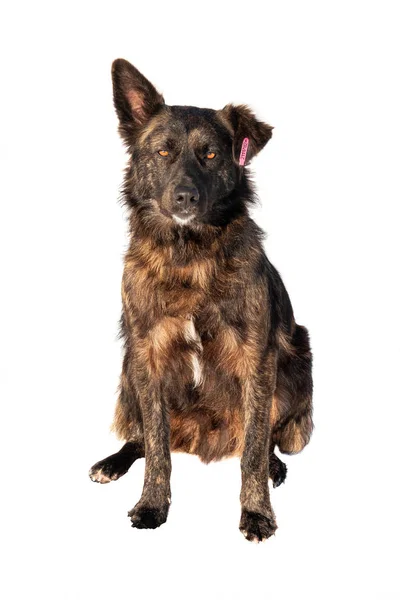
186,162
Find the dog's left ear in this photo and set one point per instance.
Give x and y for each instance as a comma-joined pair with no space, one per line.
136,100
243,124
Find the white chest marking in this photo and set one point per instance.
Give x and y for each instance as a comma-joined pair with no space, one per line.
191,335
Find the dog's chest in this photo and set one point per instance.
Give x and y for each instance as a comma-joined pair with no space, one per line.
187,318
195,354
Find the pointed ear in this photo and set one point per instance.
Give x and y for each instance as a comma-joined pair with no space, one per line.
243,123
136,100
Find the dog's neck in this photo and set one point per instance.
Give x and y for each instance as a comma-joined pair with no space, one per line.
182,245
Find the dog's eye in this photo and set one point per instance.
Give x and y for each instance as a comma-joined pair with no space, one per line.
163,152
210,155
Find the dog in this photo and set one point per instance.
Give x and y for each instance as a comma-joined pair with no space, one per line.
215,364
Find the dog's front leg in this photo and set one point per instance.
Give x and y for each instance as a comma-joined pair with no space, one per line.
152,509
257,521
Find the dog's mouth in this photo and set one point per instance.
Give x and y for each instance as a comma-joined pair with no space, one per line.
183,218
180,217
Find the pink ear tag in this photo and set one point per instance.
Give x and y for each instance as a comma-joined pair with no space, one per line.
243,152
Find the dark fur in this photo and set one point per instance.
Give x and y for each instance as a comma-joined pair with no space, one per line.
201,298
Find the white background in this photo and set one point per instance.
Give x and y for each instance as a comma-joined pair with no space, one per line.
325,74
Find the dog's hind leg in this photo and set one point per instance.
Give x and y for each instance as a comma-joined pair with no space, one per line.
116,465
129,427
294,393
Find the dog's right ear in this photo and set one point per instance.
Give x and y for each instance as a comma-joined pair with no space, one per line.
136,100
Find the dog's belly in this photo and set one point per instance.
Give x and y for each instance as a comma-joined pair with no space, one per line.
209,435
204,376
207,418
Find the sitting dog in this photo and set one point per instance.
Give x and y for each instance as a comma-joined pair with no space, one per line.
215,364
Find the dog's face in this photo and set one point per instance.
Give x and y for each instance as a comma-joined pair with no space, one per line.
184,160
185,157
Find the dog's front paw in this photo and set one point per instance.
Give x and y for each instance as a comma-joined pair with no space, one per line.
148,517
256,527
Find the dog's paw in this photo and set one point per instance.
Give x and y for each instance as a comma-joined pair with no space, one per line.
278,472
256,527
108,469
148,517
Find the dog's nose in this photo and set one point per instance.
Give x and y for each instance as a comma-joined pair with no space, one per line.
186,197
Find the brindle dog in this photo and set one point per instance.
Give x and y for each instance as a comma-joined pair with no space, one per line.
215,364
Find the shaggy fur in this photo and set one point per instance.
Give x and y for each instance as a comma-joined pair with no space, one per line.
215,364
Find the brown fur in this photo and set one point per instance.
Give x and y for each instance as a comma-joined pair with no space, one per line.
215,364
